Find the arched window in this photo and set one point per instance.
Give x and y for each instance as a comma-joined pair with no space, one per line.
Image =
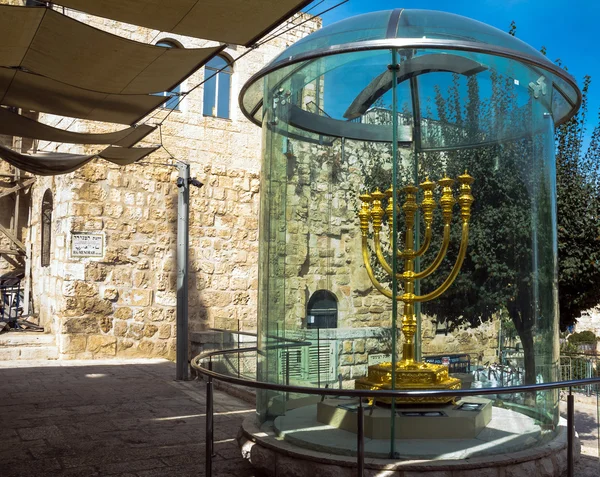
321,311
217,87
173,102
47,206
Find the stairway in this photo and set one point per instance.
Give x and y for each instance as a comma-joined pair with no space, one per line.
25,345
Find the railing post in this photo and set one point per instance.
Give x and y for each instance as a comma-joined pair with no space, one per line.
287,377
570,432
360,445
209,424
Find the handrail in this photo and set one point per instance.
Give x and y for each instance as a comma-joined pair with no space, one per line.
374,393
362,393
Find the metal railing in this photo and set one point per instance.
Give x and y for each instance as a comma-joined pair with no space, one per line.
579,366
197,364
10,301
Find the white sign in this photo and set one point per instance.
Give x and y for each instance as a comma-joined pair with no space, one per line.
379,358
87,245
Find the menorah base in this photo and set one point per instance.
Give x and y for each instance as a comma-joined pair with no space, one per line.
409,377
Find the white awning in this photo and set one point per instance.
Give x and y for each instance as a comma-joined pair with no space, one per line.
13,124
54,163
46,43
241,22
38,93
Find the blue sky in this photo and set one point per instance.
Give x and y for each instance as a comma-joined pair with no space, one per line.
568,29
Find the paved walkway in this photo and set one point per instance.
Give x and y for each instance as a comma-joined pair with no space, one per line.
130,418
122,418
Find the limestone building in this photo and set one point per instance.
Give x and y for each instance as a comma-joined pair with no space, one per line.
122,303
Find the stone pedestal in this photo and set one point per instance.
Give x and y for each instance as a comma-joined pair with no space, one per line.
463,420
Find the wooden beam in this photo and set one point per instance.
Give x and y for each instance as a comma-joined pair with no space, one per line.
12,238
11,252
18,187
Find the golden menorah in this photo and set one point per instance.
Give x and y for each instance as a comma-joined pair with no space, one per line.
411,374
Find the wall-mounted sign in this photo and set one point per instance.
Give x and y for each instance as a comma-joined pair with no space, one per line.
87,245
379,358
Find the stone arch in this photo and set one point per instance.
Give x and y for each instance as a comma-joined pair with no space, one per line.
322,310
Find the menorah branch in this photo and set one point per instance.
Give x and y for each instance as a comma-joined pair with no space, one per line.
439,257
455,270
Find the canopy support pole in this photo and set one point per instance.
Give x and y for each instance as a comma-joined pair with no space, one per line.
183,185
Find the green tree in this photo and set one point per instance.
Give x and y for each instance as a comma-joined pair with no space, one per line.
578,196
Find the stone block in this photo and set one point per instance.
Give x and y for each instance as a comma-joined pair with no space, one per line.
164,331
79,289
92,172
95,272
146,348
347,347
489,472
74,271
359,346
135,331
545,467
104,345
120,328
123,313
39,353
83,324
72,343
96,306
105,323
136,297
110,293
524,469
9,354
150,330
92,192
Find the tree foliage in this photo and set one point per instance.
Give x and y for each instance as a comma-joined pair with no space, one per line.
578,197
509,269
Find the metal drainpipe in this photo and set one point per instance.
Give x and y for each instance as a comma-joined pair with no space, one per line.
183,185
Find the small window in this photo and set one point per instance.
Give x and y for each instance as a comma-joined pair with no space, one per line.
322,311
217,87
174,101
47,206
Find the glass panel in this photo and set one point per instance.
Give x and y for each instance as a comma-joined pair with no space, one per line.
217,62
322,233
370,26
210,94
437,24
224,80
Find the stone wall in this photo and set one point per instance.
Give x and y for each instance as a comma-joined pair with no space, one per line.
123,304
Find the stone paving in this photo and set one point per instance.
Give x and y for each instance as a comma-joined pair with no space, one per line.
126,418
117,417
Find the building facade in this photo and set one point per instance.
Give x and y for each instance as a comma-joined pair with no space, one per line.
122,303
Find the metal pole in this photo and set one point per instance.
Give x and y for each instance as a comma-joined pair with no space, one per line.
287,377
209,425
183,184
570,432
318,359
360,445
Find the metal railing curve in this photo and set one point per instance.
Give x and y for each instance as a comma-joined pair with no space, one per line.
197,364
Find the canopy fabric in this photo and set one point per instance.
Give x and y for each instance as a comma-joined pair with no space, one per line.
42,41
13,124
37,93
54,163
241,22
